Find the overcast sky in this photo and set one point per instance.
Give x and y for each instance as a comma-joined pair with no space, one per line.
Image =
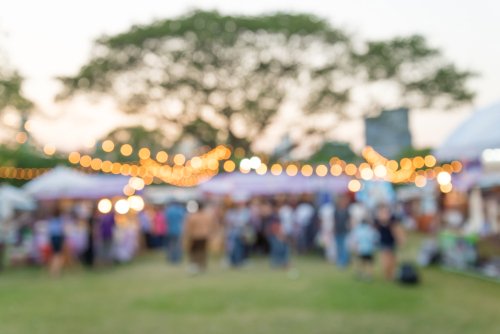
45,39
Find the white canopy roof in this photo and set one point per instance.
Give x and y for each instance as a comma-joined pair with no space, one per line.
56,183
13,198
477,133
64,182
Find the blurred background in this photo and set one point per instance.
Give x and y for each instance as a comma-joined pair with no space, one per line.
254,166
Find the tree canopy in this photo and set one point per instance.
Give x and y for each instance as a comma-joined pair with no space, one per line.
229,79
11,95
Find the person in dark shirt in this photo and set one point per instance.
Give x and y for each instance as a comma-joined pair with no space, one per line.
106,229
341,229
88,255
391,236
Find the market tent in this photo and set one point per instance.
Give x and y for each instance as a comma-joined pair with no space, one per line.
64,182
13,198
254,184
473,136
164,194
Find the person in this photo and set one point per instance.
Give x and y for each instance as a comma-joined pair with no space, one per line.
326,217
391,235
285,213
304,216
260,245
237,221
175,214
88,255
106,232
159,228
341,228
199,227
279,252
365,239
56,236
145,218
3,239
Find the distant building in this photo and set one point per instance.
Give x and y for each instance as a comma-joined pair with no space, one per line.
389,133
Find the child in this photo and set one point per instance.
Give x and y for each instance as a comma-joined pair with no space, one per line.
365,239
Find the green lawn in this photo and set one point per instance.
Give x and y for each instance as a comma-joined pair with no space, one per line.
151,297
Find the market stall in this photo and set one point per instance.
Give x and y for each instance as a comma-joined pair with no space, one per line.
254,184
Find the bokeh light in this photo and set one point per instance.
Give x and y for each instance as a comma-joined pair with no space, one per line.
126,150
354,186
136,203
321,170
336,170
179,159
229,166
444,178
446,188
351,169
162,157
122,206
74,157
307,170
380,171
144,153
420,181
292,170
108,146
276,169
430,161
49,149
104,205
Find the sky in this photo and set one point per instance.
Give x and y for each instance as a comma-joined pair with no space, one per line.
50,38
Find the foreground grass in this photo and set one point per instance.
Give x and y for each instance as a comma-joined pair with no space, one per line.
151,297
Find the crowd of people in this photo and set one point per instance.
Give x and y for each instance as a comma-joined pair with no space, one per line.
234,229
62,234
241,227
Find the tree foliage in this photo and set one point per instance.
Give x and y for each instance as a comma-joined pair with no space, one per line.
136,136
229,78
417,73
11,92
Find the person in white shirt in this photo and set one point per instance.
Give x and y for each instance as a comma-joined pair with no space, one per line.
304,214
326,217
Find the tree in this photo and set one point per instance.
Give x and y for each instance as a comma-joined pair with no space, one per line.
11,96
227,79
136,136
340,150
407,72
11,93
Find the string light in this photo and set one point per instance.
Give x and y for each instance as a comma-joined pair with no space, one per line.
162,156
292,170
321,170
108,146
354,186
126,150
276,169
307,170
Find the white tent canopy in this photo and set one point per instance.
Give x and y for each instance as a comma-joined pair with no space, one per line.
56,183
477,133
12,198
64,182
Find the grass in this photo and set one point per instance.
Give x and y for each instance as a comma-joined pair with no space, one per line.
149,296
